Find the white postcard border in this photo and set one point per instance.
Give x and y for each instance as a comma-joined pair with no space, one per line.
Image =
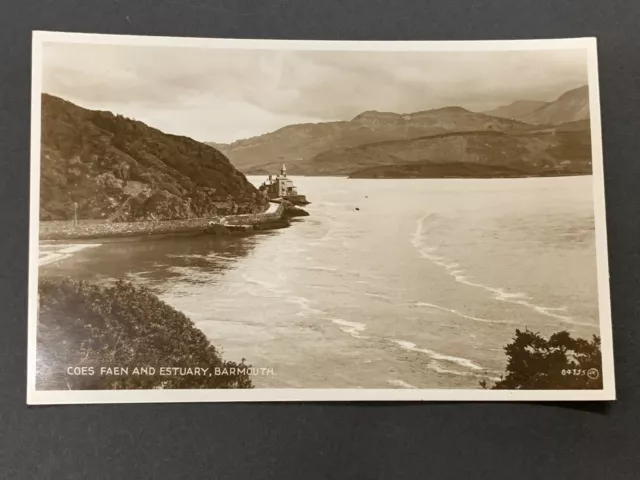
45,397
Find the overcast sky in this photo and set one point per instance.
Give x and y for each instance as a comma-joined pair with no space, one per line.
226,95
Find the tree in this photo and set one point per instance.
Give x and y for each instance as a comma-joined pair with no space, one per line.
559,362
85,327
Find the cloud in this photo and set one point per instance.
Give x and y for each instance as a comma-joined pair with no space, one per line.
224,95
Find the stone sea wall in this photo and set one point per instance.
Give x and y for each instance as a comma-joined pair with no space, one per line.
274,212
91,229
60,230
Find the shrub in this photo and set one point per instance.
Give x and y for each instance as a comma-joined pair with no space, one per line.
85,325
559,362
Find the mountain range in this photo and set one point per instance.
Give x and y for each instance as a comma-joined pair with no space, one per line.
528,137
120,169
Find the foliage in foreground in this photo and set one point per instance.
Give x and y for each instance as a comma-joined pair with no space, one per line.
559,362
85,325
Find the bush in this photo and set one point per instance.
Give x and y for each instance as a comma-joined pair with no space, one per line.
86,325
560,362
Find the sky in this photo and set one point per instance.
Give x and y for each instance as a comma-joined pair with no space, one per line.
225,95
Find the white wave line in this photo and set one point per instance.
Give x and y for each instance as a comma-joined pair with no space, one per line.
354,329
402,384
454,270
438,368
67,251
463,362
462,315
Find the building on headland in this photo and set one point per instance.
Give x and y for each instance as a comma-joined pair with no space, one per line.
283,198
282,187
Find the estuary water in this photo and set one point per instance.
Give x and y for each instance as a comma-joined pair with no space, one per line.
388,283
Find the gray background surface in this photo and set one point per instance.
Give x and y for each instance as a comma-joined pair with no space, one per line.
333,441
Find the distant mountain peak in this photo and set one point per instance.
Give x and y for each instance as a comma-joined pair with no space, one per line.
579,92
374,114
527,104
571,106
451,109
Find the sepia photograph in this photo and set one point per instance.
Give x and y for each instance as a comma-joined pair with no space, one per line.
279,220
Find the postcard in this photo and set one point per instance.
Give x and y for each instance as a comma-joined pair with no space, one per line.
217,220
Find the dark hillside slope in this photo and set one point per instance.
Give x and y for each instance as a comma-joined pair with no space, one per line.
120,169
440,170
536,153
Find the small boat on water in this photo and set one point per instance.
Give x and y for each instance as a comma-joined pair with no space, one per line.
281,187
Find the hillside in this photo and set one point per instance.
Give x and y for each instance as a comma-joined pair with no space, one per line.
120,169
533,153
569,107
297,144
442,170
517,109
217,146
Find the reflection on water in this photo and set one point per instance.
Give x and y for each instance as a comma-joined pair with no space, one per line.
156,261
421,286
